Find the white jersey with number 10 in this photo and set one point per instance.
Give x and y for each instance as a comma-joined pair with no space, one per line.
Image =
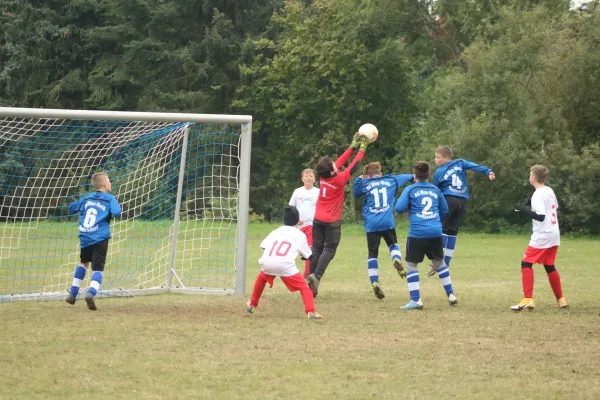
281,248
546,233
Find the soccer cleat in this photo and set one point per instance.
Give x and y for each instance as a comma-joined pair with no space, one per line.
313,284
249,307
400,268
432,271
89,299
562,303
378,291
452,299
525,304
413,305
314,315
70,299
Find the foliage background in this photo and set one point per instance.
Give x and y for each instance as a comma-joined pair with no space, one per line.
506,83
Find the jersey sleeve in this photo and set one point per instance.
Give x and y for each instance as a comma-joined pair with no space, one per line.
401,179
358,184
115,207
402,203
347,173
74,206
537,204
293,199
339,163
476,167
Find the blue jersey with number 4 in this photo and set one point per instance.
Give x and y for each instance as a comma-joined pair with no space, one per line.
451,177
380,195
426,207
96,211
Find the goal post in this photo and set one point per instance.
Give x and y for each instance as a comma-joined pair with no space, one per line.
183,181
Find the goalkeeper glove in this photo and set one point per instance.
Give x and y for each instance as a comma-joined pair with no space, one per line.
519,208
364,143
355,141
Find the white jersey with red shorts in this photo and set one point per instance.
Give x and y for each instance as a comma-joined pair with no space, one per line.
281,248
545,238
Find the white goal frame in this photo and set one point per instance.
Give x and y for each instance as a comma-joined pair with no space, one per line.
242,201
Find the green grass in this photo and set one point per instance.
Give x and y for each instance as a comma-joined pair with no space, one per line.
182,347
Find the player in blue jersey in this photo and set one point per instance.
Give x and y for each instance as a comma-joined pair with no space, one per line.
426,209
96,211
451,179
378,215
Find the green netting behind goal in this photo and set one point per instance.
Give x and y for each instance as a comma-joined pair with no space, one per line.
46,163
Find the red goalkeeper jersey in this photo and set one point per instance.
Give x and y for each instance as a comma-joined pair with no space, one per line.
331,190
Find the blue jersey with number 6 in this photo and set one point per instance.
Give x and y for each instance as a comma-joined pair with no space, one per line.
96,211
451,177
426,207
380,195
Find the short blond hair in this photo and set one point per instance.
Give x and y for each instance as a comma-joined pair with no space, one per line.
308,171
445,151
372,169
540,173
99,179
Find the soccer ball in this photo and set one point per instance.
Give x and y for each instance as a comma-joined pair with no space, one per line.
370,131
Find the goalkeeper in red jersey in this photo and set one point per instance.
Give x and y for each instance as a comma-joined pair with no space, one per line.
327,224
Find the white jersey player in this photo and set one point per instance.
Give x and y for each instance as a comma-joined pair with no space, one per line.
545,239
304,199
281,247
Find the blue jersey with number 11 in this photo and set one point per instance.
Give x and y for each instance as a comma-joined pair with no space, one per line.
380,195
96,211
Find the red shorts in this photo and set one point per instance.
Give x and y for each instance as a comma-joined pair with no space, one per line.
540,256
308,232
293,283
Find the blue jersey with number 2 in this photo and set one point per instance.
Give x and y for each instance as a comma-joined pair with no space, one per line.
96,211
426,207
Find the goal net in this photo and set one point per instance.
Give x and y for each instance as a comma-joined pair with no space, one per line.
181,179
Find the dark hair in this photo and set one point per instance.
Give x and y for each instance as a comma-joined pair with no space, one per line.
291,216
421,170
325,167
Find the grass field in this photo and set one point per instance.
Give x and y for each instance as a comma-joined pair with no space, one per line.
190,347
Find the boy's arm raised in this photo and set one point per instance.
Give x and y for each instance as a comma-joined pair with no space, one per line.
479,168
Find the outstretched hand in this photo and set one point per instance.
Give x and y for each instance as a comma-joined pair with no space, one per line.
492,176
364,143
355,141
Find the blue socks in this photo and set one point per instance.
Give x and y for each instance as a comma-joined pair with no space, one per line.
444,275
395,252
449,243
412,278
95,282
77,278
373,269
